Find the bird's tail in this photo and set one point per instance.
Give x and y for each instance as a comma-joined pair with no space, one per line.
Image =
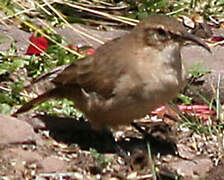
34,102
44,87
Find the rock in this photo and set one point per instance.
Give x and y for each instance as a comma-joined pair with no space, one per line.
12,34
207,84
18,154
14,131
194,168
16,161
216,173
21,160
52,164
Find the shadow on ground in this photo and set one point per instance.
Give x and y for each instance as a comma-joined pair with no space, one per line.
72,131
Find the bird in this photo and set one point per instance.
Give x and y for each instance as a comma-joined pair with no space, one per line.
127,77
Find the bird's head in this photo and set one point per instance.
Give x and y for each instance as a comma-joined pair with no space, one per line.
160,30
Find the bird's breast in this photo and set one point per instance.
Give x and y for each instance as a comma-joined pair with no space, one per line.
161,75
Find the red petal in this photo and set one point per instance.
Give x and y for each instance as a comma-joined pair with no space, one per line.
74,47
40,42
90,51
217,38
196,109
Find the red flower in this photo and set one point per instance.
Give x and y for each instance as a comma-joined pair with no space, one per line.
217,38
40,42
82,50
90,51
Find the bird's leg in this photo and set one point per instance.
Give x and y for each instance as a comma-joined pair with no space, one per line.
160,142
116,147
156,141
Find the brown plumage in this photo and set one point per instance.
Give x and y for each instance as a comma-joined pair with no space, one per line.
127,77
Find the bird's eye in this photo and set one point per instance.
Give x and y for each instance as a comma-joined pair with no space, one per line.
161,32
157,36
162,35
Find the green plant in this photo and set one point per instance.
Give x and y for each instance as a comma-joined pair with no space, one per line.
143,8
11,96
101,160
198,70
34,66
56,107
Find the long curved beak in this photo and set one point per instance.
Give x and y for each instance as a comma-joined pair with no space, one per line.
197,40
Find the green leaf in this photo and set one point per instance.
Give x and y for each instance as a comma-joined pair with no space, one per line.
185,99
17,86
6,98
5,109
12,65
198,69
55,107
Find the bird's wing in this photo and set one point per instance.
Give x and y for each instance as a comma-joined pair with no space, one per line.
97,73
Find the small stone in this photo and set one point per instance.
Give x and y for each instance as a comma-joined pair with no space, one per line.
14,131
